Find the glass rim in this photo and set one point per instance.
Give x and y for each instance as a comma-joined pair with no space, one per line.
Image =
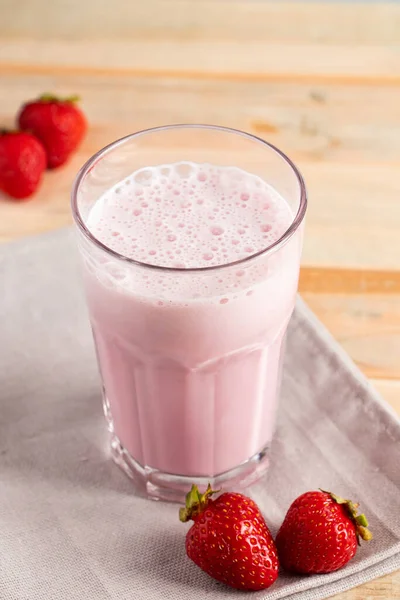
271,248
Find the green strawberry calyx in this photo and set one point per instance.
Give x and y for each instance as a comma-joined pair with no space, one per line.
48,97
195,503
360,521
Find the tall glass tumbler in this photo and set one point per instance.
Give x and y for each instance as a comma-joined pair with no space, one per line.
190,345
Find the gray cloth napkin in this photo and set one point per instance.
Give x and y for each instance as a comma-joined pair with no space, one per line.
71,524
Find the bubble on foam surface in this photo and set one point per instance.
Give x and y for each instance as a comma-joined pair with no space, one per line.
208,215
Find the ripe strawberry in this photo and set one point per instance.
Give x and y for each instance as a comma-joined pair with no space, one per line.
230,540
320,533
22,162
58,123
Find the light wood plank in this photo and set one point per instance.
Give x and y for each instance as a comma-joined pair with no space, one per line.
390,391
384,588
330,123
289,22
325,280
243,60
354,210
354,217
367,326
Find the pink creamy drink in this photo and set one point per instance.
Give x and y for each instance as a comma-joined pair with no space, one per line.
189,315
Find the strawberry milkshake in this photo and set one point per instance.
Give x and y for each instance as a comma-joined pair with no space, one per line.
190,283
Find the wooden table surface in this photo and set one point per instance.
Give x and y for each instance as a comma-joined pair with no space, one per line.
319,80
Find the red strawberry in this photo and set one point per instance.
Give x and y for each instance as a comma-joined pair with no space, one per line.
22,162
59,124
230,540
320,533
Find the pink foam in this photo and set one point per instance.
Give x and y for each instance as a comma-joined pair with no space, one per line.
191,207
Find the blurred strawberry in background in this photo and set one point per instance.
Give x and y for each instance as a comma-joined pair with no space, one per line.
57,122
22,163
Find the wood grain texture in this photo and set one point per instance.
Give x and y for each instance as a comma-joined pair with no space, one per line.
311,22
367,326
321,80
390,390
205,59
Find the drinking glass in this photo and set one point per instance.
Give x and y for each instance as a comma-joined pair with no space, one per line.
190,358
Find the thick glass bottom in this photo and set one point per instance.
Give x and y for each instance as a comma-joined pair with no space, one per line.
158,485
